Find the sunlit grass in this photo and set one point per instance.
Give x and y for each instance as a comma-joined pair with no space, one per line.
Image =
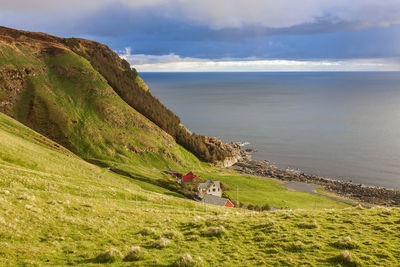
61,210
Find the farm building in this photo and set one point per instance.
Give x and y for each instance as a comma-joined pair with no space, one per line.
209,188
218,201
189,177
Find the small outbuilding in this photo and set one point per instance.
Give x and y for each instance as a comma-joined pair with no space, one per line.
189,177
218,201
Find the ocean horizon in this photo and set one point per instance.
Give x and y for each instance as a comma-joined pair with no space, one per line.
341,125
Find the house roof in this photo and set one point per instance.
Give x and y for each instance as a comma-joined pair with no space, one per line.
208,184
214,200
204,185
190,176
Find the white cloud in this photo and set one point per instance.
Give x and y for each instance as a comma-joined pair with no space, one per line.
276,13
175,63
141,59
44,6
233,13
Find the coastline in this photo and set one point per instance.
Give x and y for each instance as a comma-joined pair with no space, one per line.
374,195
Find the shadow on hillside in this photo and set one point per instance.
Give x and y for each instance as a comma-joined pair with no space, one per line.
129,175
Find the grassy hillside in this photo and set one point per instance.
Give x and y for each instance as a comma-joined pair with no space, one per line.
61,210
61,96
57,92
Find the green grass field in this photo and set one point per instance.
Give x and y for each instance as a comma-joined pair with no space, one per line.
61,210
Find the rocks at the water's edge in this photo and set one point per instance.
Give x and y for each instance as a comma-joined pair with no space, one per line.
240,160
366,194
234,149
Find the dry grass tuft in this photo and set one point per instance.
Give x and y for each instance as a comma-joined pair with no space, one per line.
110,255
162,243
346,243
214,231
186,260
134,254
386,212
346,258
32,208
25,196
196,223
148,231
171,234
308,225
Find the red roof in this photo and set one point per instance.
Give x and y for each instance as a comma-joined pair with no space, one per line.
228,204
190,176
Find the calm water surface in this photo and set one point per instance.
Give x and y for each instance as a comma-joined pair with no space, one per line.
339,125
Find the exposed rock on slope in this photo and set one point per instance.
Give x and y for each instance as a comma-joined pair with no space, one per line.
234,150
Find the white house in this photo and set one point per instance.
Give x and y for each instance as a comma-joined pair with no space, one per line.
209,188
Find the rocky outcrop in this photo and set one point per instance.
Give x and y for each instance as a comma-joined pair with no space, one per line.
233,149
185,129
13,81
359,192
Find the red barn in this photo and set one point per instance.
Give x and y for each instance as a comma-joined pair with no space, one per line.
189,177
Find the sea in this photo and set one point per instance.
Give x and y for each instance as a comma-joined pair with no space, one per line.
341,125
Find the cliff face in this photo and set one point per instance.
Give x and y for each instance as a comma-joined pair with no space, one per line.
234,150
84,96
13,81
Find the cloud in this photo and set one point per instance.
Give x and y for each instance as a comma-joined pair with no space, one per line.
219,29
368,43
231,13
142,59
288,13
174,63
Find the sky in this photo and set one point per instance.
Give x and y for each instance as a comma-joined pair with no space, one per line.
226,35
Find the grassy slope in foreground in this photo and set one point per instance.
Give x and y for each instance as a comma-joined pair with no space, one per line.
67,100
73,223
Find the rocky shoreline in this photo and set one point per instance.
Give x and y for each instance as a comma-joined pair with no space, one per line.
235,151
359,192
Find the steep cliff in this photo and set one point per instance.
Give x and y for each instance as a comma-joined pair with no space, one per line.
58,93
84,72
